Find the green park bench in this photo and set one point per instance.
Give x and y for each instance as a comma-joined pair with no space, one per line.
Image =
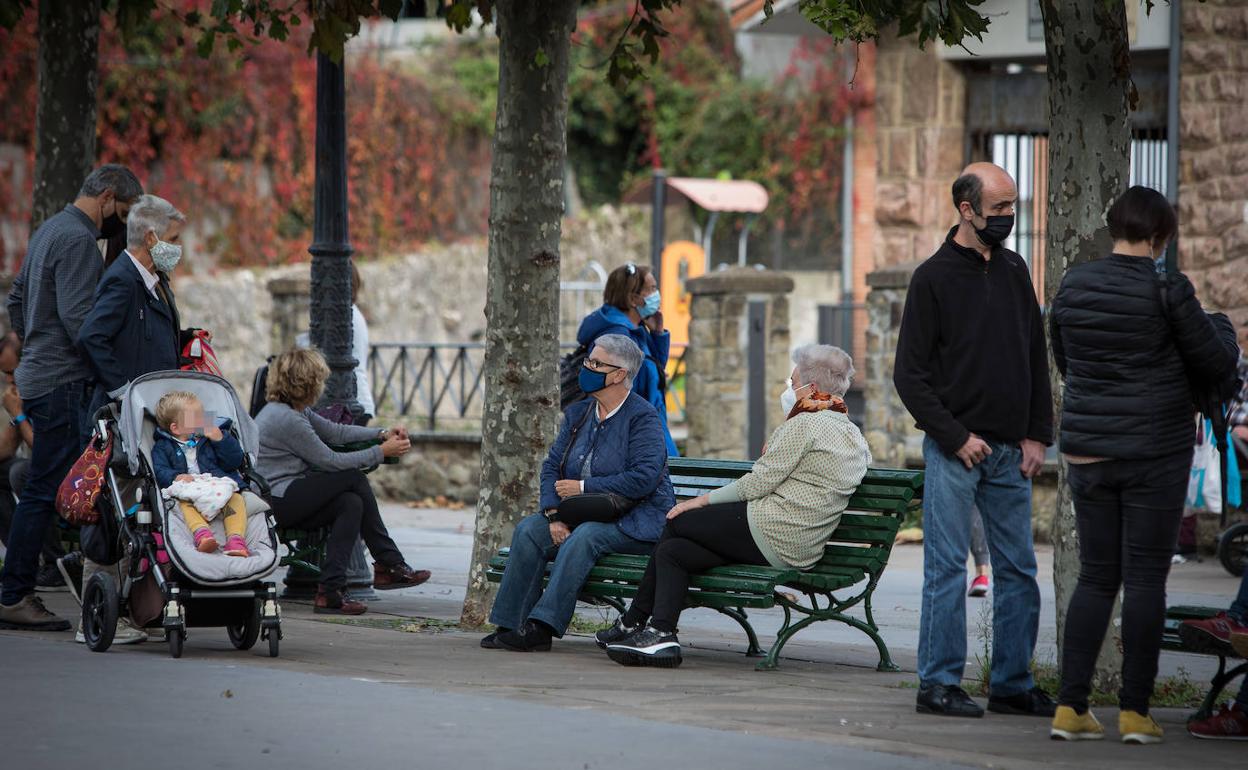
1172,640
852,563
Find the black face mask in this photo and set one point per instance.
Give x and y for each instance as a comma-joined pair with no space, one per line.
997,229
112,226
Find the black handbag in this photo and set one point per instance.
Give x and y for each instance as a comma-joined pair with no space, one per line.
595,506
101,542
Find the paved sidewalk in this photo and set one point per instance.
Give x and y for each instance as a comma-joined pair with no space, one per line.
826,691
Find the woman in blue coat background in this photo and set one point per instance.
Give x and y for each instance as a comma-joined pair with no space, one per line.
630,306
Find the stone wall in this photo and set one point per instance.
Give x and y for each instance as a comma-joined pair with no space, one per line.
920,106
436,294
890,432
438,465
717,380
1213,158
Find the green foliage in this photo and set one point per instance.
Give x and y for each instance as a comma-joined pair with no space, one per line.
950,21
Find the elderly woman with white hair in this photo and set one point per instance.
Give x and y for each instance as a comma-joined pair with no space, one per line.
780,514
132,328
604,489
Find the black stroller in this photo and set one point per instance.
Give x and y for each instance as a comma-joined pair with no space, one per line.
167,583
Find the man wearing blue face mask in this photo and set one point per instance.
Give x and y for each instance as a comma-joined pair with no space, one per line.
610,444
132,328
631,306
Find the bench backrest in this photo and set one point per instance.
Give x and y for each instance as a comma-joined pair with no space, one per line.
868,527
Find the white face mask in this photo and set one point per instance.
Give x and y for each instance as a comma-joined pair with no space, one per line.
788,399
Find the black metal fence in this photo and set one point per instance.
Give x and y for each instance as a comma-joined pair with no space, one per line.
440,384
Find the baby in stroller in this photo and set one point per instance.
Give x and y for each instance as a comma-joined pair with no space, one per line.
198,464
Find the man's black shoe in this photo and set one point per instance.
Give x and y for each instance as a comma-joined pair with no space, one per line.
949,701
49,579
490,641
618,632
1033,703
647,647
530,637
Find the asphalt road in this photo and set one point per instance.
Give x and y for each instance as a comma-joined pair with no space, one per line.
64,708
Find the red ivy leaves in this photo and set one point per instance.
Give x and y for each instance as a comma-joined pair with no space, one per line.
230,139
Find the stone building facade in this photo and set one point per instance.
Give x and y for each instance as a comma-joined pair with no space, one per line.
1213,155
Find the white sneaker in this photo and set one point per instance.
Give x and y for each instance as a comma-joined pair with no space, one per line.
126,634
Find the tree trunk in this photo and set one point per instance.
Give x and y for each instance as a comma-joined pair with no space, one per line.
522,289
69,38
1089,148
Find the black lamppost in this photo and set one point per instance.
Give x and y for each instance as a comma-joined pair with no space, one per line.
330,322
331,246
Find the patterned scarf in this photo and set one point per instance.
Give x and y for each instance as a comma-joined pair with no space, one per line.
818,402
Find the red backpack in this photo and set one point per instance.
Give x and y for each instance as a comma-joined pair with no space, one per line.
75,498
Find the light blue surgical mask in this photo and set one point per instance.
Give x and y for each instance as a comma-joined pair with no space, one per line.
165,256
651,306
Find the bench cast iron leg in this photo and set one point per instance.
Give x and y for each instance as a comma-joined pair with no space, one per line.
738,614
1216,686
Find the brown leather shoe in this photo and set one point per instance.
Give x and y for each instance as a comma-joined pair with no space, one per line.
29,614
336,602
398,576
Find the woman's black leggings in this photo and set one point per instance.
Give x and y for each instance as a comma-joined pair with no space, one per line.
692,542
1127,513
344,502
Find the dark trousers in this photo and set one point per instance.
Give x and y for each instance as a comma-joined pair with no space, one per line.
62,426
344,502
1127,514
13,473
692,542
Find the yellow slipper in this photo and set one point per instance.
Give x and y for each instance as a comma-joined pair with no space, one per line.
1069,725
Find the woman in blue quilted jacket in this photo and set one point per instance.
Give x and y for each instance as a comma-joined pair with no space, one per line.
630,307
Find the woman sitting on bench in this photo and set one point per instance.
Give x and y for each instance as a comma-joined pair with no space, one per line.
315,485
780,514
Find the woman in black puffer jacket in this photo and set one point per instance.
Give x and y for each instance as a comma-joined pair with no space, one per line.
1132,346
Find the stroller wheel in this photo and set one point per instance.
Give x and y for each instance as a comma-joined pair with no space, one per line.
175,636
1233,548
99,611
273,633
244,635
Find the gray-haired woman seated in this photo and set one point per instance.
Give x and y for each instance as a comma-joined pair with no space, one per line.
780,514
610,443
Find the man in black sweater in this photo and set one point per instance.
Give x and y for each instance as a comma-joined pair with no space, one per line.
972,369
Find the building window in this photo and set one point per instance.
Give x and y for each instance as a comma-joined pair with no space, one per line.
1035,22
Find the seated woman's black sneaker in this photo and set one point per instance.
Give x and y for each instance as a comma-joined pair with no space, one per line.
647,647
1033,703
530,637
949,701
618,632
490,641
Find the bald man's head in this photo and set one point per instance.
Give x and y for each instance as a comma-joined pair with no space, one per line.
985,190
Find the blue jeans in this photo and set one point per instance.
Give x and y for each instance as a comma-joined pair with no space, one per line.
520,596
61,422
1239,608
997,487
